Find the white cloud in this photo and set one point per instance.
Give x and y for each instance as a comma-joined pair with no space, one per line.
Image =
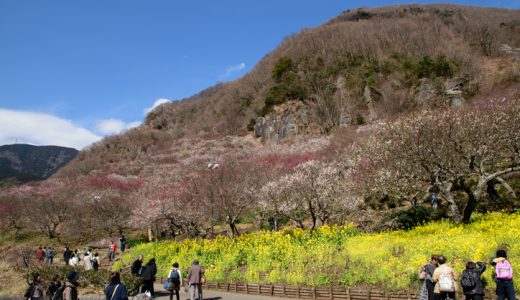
155,104
233,69
42,129
114,126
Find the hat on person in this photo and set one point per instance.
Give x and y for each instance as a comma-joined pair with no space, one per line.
72,276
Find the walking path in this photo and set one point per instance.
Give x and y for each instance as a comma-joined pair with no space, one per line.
212,295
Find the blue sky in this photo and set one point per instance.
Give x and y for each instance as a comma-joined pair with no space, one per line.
93,67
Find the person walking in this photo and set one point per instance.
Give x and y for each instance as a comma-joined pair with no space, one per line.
148,275
115,289
71,286
174,281
503,275
67,254
445,280
122,241
471,280
195,279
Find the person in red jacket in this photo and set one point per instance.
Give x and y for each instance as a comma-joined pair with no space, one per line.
112,250
40,254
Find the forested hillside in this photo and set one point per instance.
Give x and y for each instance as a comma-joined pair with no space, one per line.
363,119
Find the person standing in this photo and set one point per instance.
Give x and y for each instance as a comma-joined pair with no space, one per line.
471,280
122,241
112,251
87,262
174,281
194,278
54,286
136,266
51,255
148,275
40,254
115,289
71,286
95,262
503,275
427,270
46,252
67,253
37,288
445,280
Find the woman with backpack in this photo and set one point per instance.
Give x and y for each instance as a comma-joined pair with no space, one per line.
503,275
445,280
174,281
471,280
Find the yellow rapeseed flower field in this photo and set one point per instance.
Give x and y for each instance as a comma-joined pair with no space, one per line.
341,254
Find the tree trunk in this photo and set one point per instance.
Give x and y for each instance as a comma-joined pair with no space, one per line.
454,209
232,226
470,205
150,236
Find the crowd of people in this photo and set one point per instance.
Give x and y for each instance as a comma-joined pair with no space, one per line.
45,255
173,283
440,279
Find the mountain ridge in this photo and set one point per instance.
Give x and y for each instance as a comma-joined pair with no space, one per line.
28,162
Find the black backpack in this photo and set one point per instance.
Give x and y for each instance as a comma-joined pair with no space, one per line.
467,280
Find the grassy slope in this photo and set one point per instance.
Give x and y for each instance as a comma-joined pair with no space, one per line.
342,255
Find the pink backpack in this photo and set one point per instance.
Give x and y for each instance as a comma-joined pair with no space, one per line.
503,270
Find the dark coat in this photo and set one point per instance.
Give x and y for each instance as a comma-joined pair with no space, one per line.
479,287
136,266
149,271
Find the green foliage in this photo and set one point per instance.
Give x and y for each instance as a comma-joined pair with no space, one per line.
288,85
427,67
283,66
415,216
251,124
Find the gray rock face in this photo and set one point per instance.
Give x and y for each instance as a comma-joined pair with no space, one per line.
453,89
285,122
371,96
425,94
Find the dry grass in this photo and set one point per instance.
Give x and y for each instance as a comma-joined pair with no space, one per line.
12,283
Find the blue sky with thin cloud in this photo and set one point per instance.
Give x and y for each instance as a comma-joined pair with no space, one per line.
94,68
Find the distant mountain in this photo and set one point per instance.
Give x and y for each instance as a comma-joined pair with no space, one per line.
28,162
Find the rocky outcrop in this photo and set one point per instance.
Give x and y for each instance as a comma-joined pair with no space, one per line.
372,96
453,89
425,93
284,122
